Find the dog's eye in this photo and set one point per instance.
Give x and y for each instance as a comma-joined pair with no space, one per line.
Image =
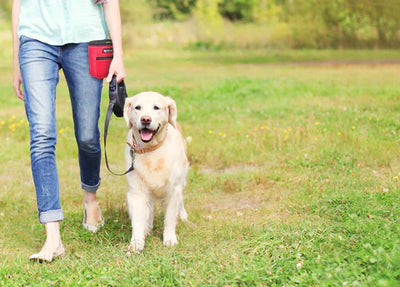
156,108
138,108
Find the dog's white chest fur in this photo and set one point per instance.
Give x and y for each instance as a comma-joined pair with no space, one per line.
154,172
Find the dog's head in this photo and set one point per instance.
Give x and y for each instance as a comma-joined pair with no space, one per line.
148,113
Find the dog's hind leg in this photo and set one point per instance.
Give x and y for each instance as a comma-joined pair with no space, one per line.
182,211
150,218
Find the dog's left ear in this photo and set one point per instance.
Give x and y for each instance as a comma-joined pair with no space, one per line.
172,111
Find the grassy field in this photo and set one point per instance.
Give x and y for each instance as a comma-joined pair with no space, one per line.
294,177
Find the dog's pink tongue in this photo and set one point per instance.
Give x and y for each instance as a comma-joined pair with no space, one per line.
146,135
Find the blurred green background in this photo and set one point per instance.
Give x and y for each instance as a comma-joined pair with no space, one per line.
222,24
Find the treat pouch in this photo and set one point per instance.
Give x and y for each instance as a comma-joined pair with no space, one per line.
100,57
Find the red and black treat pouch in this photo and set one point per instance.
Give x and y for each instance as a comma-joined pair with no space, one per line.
100,57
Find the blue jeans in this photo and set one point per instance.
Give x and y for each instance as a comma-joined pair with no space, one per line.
40,64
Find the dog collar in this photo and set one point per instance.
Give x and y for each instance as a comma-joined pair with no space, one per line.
138,149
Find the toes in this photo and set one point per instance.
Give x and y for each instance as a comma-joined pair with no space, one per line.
41,257
48,256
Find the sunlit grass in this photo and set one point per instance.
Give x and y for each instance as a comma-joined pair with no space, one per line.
293,181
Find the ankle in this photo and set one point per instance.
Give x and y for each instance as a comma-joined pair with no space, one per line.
53,236
90,198
52,229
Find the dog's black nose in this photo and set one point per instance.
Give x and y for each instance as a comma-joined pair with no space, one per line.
145,120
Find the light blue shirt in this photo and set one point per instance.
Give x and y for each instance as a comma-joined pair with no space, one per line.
59,22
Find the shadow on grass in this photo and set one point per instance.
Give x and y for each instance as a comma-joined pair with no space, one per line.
117,229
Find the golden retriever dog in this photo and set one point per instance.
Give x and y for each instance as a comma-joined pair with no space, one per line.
156,146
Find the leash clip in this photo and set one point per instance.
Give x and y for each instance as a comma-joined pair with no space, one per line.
132,153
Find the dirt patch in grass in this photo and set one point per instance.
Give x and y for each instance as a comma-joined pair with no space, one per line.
342,63
238,199
229,169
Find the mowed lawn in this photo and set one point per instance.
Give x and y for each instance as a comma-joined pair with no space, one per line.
294,177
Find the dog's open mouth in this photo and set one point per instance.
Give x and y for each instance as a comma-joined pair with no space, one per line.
147,135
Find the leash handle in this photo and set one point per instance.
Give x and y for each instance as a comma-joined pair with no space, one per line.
106,124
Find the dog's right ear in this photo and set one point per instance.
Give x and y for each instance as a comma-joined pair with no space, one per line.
127,112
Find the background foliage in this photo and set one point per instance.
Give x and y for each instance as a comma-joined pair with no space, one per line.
260,23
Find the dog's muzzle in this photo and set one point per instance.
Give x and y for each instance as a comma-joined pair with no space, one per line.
146,134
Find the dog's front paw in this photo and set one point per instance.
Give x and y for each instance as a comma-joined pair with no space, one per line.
136,246
170,240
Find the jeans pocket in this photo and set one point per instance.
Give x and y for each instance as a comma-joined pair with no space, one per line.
22,40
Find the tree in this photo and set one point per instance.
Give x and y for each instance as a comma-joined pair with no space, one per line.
236,10
383,15
5,7
208,19
173,9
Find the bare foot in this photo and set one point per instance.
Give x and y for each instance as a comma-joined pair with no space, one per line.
48,253
92,219
53,246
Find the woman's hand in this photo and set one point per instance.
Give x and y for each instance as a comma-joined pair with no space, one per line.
113,19
116,68
17,82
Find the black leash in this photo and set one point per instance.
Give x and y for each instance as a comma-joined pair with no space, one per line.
117,92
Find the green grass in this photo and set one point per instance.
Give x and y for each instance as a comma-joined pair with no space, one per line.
294,177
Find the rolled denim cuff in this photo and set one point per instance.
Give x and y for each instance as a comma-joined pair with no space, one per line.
51,216
90,188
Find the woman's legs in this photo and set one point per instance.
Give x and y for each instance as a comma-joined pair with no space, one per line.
39,68
85,92
40,64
